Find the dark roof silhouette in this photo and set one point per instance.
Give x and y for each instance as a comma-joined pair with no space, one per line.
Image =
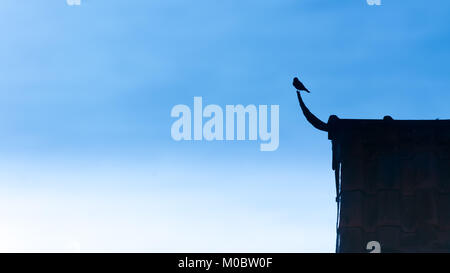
392,182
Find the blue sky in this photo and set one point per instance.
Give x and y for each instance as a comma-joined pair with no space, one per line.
87,160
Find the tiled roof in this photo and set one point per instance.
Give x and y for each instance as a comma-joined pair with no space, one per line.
393,184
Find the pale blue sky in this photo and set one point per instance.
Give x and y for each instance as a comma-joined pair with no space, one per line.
85,98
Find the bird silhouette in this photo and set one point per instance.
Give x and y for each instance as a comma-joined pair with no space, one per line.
299,85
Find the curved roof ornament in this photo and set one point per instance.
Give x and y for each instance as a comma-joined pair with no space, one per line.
315,121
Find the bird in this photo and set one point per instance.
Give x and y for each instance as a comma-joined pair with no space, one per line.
299,85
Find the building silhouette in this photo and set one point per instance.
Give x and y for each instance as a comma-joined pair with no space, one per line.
392,182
